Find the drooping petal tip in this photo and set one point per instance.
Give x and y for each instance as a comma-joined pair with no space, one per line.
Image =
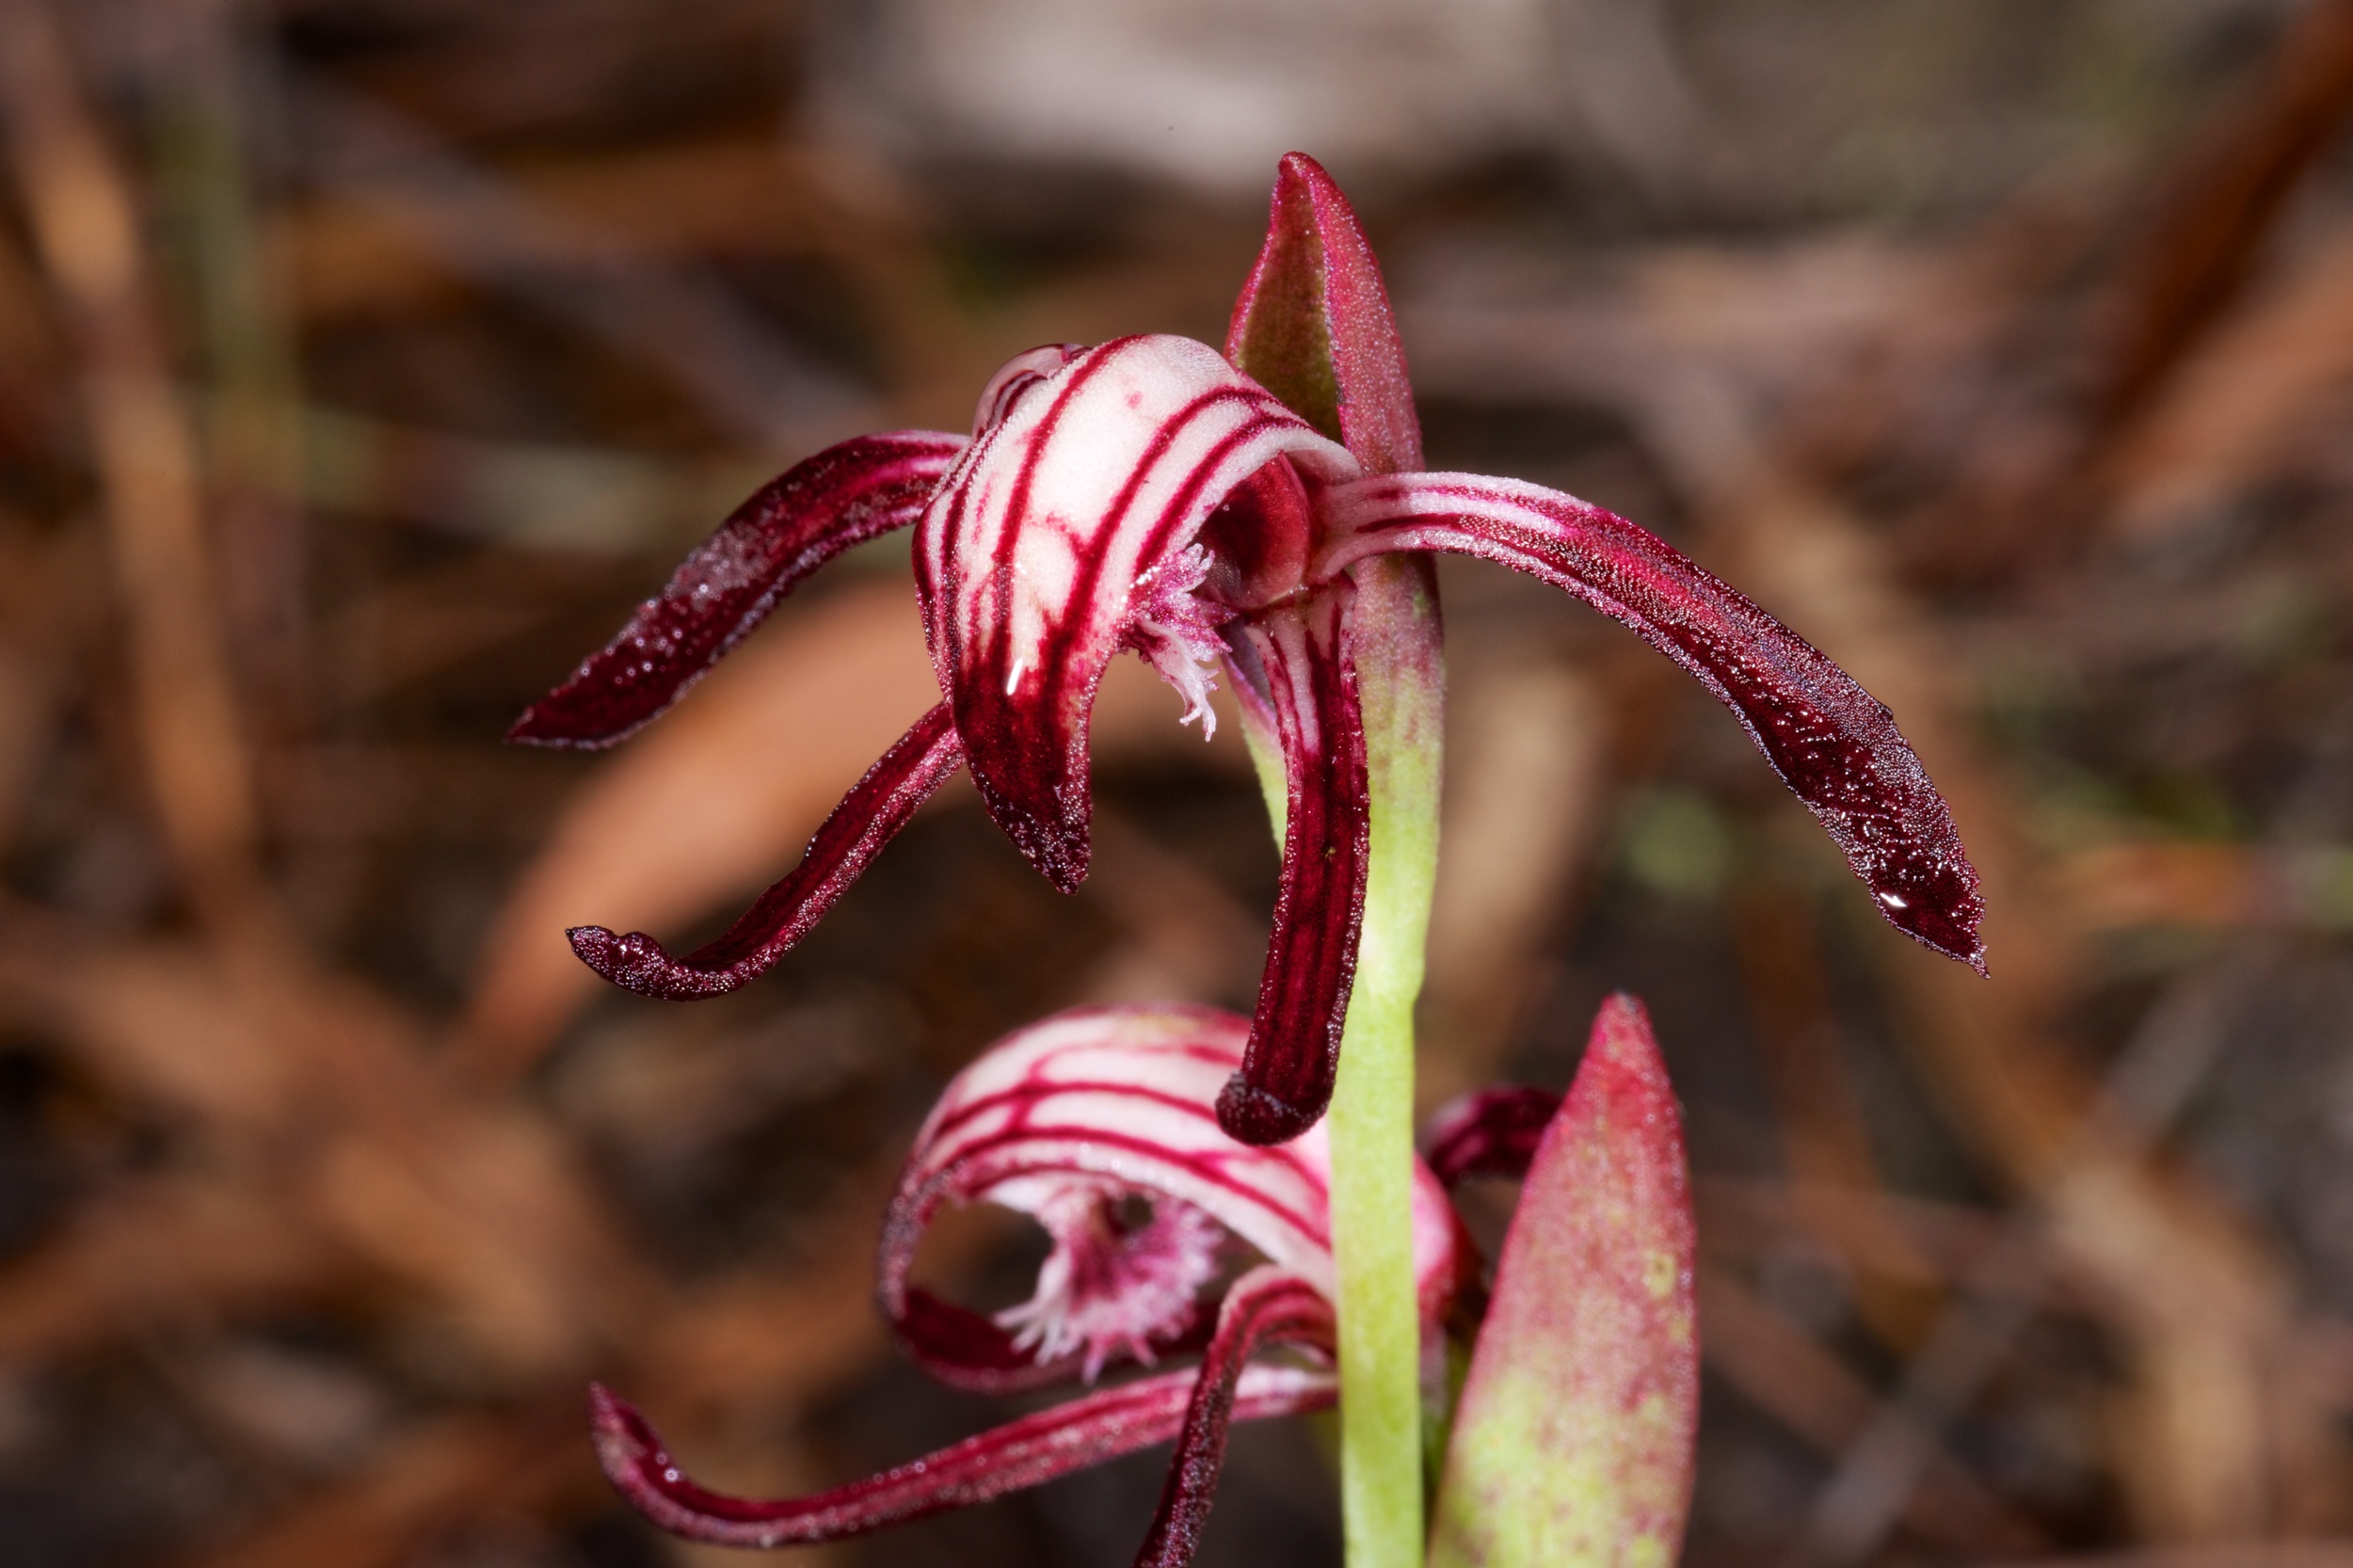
1834,745
1250,1115
629,1452
868,818
1266,1306
637,962
1293,1056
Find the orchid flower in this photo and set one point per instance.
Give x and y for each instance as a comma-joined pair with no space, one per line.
1068,1121
1572,1440
1145,494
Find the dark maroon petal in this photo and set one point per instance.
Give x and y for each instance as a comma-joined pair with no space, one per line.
868,818
1313,324
1265,1307
1259,539
1085,1431
1287,1073
799,521
1040,550
1488,1132
1831,740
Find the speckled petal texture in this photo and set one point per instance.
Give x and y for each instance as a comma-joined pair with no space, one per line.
844,496
1572,1445
1832,742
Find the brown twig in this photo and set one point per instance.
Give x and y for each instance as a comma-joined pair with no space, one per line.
87,228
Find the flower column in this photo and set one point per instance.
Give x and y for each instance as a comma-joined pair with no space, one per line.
1313,326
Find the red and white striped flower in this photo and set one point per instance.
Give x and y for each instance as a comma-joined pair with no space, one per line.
1073,1120
1144,495
1575,1433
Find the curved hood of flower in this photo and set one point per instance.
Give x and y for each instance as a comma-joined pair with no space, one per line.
1052,541
1067,1118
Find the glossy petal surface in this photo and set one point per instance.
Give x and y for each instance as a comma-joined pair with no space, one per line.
1032,556
1832,742
1572,1445
844,496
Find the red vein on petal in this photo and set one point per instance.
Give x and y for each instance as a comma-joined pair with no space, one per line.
1488,1132
1032,554
1085,1431
1114,1098
1030,760
1030,1153
1120,1095
868,818
1834,745
844,496
1265,1307
1288,1070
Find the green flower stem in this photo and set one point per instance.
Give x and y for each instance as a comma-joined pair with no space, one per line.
1402,684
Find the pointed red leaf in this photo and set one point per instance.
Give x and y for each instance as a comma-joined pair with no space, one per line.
869,816
1834,743
1313,324
1039,551
1287,1073
1572,1444
813,512
1084,1432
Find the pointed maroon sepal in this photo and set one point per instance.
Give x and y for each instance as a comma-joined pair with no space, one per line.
1832,742
1287,1075
844,496
869,816
1084,1432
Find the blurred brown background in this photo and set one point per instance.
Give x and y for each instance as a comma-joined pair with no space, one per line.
362,362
